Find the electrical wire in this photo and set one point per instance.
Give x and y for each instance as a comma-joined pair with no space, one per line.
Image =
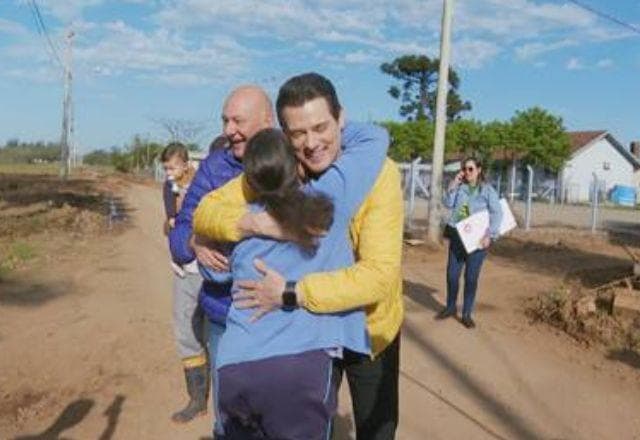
52,50
606,16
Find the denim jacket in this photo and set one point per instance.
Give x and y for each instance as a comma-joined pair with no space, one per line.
484,198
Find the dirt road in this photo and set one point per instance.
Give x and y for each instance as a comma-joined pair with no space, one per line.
86,352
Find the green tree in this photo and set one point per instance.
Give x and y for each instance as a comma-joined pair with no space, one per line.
467,138
97,157
143,152
413,139
418,75
15,151
410,139
540,138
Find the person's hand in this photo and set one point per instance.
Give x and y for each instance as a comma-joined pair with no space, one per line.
179,200
457,180
485,243
208,255
264,295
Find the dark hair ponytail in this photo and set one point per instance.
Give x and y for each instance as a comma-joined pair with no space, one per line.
271,169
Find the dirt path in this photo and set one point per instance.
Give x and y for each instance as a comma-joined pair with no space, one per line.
88,353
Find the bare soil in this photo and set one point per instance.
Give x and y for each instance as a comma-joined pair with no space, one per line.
87,347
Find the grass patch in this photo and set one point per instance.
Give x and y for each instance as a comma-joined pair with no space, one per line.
18,254
27,168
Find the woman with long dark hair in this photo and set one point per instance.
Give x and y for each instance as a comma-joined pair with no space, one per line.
274,375
468,194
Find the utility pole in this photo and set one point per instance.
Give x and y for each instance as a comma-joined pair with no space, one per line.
433,229
67,104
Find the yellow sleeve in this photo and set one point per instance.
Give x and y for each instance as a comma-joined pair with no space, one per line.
219,212
377,234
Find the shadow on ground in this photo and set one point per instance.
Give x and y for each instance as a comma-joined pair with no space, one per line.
27,294
626,356
558,259
74,414
421,294
514,422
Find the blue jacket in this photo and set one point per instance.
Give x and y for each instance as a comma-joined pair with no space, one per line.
214,171
484,198
347,181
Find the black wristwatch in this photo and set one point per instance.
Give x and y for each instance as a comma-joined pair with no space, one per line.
289,297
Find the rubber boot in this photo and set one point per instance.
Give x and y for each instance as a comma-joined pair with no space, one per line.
197,379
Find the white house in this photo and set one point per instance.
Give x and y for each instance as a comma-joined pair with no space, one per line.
600,153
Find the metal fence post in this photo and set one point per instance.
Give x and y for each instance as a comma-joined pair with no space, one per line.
594,203
527,212
412,189
513,181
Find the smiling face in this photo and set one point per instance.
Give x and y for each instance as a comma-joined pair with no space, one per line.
314,133
246,112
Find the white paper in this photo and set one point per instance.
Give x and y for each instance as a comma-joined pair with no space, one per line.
474,228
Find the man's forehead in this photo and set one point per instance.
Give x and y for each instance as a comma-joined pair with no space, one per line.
311,113
245,101
236,105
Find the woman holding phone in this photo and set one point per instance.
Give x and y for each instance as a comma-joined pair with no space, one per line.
468,194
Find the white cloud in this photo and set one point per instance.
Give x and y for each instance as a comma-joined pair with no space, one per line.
123,48
473,53
66,10
11,27
184,79
604,63
355,57
531,50
192,41
40,75
574,64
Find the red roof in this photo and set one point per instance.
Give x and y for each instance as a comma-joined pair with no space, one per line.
581,138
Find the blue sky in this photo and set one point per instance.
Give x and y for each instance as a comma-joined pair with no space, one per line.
137,61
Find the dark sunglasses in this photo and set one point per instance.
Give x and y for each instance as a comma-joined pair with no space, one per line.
469,169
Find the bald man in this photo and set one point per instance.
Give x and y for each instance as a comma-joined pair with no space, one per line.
246,111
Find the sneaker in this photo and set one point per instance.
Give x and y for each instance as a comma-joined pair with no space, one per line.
445,313
468,322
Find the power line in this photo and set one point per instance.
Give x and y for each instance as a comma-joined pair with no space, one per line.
606,16
42,30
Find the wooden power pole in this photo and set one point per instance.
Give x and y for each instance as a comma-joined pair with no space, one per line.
67,105
433,229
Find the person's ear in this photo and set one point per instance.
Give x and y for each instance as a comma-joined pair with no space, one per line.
269,119
341,118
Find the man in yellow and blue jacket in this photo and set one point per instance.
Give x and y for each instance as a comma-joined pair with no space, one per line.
374,282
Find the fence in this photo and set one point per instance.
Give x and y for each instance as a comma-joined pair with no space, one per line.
534,205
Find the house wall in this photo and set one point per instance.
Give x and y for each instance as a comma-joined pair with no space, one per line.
610,166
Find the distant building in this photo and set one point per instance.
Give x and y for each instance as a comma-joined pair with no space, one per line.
599,153
591,152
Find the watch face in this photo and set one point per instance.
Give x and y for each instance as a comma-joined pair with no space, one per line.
289,301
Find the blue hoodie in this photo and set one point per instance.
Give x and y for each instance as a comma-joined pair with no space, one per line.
347,182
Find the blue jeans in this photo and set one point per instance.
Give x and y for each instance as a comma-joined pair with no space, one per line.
215,333
472,263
